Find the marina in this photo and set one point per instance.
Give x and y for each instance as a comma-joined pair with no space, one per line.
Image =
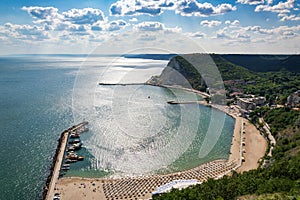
62,157
143,187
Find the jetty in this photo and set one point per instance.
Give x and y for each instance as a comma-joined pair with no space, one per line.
187,102
57,161
121,84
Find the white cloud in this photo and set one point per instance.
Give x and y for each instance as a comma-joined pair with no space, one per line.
258,29
222,33
61,21
286,17
277,31
194,8
154,27
251,2
196,35
157,7
80,26
115,25
133,19
281,7
26,32
83,16
288,34
75,21
147,37
149,26
138,7
242,35
211,23
235,35
44,13
81,30
233,23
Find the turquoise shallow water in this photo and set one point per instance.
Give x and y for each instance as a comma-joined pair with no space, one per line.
36,106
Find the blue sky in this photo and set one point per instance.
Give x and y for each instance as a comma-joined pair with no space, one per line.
80,26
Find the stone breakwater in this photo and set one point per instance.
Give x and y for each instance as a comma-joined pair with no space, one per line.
54,159
57,159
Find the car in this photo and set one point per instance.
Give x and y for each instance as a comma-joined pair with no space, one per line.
56,196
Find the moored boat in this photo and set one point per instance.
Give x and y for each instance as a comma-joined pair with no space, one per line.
70,161
75,141
80,158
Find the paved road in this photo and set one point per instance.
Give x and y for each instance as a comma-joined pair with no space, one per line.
271,138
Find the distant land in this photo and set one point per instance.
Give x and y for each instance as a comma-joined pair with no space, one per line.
253,62
264,63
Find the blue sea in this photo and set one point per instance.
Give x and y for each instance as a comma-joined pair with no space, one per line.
133,130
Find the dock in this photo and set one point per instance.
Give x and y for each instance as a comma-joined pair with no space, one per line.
57,160
187,102
121,84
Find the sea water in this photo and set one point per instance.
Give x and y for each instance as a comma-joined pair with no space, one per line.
133,130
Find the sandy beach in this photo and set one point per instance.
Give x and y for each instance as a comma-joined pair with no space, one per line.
254,147
80,188
247,147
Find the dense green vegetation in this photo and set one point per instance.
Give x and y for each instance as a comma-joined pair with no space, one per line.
190,73
276,85
279,119
281,176
231,71
266,63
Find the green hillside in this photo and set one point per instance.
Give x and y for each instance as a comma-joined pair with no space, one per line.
231,71
274,85
265,63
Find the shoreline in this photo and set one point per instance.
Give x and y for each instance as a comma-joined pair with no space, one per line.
247,147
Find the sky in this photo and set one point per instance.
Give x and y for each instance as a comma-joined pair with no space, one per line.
175,26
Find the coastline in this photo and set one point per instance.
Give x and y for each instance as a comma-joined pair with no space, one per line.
142,187
248,146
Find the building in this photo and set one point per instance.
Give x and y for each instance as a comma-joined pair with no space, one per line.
294,99
177,184
248,104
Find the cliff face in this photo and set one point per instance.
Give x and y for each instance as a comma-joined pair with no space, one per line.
194,71
180,72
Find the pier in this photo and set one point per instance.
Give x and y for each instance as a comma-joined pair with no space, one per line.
57,161
187,102
121,84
